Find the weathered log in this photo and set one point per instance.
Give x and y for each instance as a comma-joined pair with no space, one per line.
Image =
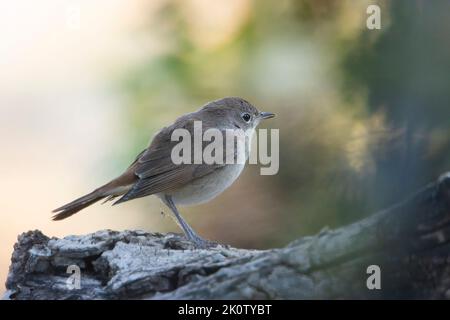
409,242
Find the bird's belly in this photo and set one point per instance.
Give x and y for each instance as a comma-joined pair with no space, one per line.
208,187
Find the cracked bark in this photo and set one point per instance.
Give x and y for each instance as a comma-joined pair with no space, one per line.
409,242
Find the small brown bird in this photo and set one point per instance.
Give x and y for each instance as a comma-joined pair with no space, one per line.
155,173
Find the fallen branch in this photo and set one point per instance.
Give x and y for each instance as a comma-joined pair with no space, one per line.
408,242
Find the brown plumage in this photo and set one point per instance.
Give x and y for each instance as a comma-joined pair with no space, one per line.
109,191
153,170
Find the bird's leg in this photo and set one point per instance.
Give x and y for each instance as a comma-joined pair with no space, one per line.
189,232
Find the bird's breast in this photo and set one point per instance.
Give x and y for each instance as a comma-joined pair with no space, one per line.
208,187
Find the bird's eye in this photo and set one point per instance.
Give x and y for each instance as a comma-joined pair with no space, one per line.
246,117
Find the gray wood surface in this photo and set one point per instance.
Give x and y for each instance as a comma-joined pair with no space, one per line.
409,242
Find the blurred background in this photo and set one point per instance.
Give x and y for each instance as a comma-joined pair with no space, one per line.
363,114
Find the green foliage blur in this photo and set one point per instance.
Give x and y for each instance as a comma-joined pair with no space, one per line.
363,114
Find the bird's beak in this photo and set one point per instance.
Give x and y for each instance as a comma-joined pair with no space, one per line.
266,115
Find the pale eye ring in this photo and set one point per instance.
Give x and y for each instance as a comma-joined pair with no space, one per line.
246,117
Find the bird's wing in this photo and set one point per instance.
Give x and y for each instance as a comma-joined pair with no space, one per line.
156,171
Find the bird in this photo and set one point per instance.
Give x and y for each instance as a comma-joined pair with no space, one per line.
153,172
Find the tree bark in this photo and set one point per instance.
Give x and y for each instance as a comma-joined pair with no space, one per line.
409,242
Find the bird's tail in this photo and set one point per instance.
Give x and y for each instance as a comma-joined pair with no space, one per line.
109,191
78,204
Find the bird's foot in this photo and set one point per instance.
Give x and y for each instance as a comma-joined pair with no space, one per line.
201,243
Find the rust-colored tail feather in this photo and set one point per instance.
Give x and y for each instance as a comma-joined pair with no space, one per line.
77,205
111,190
